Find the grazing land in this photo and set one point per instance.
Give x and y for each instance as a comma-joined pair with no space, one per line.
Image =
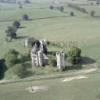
56,26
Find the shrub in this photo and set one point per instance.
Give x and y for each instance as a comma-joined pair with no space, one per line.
74,52
52,61
71,13
2,68
51,7
92,13
16,24
25,17
74,55
27,1
11,58
61,8
19,70
11,32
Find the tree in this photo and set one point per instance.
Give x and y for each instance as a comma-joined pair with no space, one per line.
27,1
20,5
92,13
74,55
16,24
52,61
51,7
11,32
2,68
20,70
25,17
61,8
11,58
71,13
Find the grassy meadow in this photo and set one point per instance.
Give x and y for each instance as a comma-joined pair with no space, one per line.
57,26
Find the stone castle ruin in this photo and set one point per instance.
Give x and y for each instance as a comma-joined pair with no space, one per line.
39,53
60,60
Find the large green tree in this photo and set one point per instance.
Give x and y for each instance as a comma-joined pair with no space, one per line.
74,55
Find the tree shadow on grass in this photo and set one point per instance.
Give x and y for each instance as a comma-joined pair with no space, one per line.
87,60
43,18
2,68
22,27
83,61
21,37
73,67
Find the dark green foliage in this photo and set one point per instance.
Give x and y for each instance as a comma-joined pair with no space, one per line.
71,13
92,13
27,1
16,24
2,68
11,32
74,55
51,7
61,8
52,61
11,58
74,52
19,70
25,17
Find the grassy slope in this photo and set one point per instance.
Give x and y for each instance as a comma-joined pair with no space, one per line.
87,89
54,26
81,28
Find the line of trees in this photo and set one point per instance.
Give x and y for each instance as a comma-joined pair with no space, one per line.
11,31
83,10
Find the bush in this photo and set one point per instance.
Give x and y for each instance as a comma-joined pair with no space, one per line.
27,1
51,7
2,68
11,32
11,58
16,24
19,70
92,13
74,55
74,52
61,8
52,61
71,13
25,17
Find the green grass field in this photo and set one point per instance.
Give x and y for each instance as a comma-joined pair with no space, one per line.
88,89
54,26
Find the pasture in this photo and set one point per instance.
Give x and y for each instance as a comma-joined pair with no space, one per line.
56,26
81,89
52,25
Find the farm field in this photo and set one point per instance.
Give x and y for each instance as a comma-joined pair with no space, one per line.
57,26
